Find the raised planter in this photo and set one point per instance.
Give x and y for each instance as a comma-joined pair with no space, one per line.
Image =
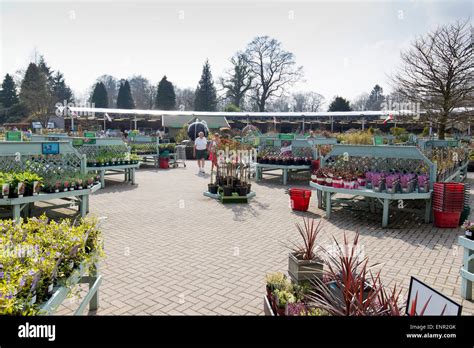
303,270
267,307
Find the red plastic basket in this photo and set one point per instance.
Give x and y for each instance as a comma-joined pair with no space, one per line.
446,220
299,199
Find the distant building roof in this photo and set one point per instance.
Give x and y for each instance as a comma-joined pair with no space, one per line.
173,121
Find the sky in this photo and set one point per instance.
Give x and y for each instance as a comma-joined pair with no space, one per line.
345,47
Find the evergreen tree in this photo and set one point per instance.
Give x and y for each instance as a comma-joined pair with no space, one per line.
339,104
61,91
165,96
99,96
36,95
205,99
376,98
8,95
124,98
47,71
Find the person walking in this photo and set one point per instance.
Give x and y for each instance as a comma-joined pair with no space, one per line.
200,153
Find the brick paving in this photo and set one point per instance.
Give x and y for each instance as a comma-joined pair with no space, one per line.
172,251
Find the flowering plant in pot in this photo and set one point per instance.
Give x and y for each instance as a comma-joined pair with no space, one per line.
407,182
378,181
423,183
65,185
283,298
368,179
391,183
320,177
303,263
468,227
361,179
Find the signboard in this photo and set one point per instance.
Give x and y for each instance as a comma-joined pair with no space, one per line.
77,142
36,125
50,148
378,140
424,300
14,136
89,134
286,136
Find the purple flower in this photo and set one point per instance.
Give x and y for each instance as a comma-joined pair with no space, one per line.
22,282
1,275
31,272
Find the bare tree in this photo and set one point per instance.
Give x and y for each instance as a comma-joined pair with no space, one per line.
142,91
185,99
437,72
307,101
273,69
237,81
360,102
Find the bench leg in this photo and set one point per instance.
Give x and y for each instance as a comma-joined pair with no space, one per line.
285,176
258,174
132,173
83,206
102,178
428,211
386,203
319,194
94,303
328,205
16,213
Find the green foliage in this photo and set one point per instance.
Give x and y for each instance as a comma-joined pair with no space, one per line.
232,108
426,132
38,253
99,96
182,134
8,94
36,95
205,97
339,104
376,98
124,98
397,131
165,95
356,138
61,91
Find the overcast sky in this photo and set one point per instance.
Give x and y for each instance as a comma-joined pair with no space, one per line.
345,47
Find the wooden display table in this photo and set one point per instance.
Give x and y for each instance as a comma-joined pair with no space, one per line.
128,170
24,203
326,192
286,170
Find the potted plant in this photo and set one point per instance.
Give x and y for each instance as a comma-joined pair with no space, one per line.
391,183
17,188
407,182
423,183
212,187
320,177
5,186
65,185
368,179
468,227
303,263
378,181
283,298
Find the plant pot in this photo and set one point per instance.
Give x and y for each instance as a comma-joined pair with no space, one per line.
242,190
248,188
392,189
321,180
303,270
228,190
212,188
328,181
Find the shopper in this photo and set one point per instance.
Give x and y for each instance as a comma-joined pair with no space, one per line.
213,145
200,153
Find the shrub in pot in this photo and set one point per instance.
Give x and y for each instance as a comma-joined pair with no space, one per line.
228,189
303,263
423,183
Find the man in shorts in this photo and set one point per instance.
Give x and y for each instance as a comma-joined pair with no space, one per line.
200,151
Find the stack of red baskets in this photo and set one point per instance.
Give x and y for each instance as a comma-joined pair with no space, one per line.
448,203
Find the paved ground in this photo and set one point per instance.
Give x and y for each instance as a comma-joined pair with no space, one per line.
172,251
